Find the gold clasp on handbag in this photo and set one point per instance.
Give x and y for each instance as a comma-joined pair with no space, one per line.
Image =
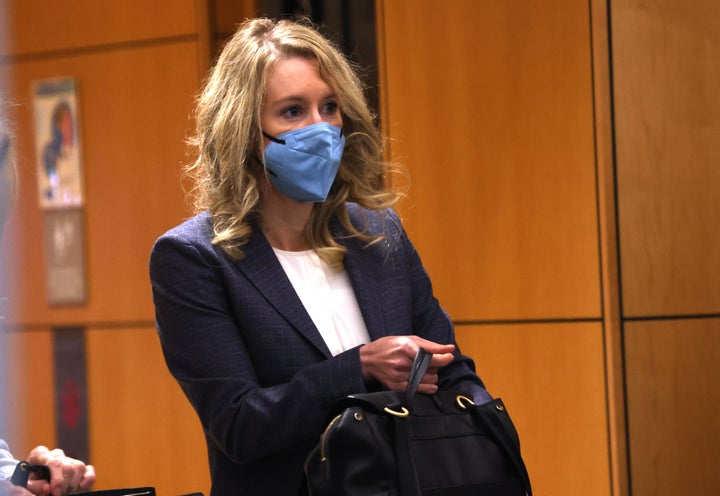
404,412
463,401
323,442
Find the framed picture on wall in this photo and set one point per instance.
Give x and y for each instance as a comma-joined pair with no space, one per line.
60,188
57,143
65,276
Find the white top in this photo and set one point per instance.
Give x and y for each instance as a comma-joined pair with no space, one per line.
328,297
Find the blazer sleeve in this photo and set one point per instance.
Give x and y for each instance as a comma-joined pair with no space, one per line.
204,348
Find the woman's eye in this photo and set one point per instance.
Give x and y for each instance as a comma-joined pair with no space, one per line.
330,108
292,112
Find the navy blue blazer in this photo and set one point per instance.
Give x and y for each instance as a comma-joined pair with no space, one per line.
246,353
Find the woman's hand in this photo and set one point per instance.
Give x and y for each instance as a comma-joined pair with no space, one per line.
67,475
389,360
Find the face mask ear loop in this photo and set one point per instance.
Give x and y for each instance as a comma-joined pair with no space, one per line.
272,138
276,140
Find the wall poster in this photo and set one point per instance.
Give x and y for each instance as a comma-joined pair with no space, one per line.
57,143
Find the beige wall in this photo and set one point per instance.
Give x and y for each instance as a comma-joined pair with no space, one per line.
562,197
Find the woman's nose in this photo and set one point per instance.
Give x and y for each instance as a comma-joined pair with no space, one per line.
316,116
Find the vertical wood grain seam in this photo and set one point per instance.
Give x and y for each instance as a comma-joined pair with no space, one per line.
383,76
608,222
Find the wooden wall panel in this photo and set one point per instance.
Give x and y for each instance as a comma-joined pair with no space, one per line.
28,400
666,75
55,25
227,14
134,109
143,430
489,104
552,380
673,399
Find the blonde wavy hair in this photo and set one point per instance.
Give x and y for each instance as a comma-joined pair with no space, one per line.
229,142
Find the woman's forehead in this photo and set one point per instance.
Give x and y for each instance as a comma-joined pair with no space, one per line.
292,75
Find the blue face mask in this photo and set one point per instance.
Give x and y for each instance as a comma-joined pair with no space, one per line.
302,163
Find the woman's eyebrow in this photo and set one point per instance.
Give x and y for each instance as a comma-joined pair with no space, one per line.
302,98
289,99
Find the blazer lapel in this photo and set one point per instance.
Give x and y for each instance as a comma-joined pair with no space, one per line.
365,277
264,271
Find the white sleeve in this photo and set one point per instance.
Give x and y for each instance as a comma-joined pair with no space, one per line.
7,461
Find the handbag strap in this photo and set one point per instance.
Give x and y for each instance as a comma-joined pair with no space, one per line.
494,415
417,371
408,483
407,477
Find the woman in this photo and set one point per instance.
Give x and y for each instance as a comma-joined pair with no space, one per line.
295,285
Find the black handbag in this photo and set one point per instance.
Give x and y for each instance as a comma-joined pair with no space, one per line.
397,443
